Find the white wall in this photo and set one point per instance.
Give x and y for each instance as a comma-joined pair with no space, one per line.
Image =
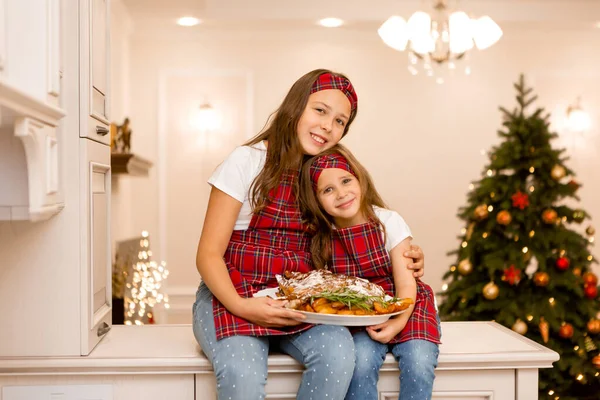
122,223
420,141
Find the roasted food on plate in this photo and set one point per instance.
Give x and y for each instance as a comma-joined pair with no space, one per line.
324,292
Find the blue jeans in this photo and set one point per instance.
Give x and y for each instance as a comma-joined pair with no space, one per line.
240,362
417,360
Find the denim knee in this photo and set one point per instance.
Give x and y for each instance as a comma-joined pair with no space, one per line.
335,353
327,352
417,359
240,376
370,355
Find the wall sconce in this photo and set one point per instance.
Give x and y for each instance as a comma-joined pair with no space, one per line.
577,119
205,118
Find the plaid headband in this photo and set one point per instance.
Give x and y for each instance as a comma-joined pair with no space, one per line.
328,81
326,162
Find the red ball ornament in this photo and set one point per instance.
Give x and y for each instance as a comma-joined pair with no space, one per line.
503,217
590,291
562,263
589,278
596,361
549,216
566,331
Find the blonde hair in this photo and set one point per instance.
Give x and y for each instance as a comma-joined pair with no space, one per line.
284,151
322,223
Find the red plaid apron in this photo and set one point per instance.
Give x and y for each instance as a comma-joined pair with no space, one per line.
276,241
360,251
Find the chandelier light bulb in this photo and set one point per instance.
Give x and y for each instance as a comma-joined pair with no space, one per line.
485,32
394,33
461,35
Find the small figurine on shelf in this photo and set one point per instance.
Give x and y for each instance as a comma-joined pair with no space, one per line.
120,137
126,136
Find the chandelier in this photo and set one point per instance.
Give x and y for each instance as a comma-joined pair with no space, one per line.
438,41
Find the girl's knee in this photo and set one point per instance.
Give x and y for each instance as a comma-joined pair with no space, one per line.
240,379
336,350
418,356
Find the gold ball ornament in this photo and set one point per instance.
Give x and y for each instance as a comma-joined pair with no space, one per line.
558,172
577,271
593,326
590,230
465,267
578,216
481,212
520,327
503,217
549,216
541,279
491,291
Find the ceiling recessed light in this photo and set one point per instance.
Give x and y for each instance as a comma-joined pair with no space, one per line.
331,22
188,21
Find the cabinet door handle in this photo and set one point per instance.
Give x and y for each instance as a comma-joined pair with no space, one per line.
103,329
101,130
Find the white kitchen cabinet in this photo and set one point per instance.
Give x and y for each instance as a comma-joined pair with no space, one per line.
95,247
56,288
478,361
31,68
95,61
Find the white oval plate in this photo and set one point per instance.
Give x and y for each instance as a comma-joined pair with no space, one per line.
333,319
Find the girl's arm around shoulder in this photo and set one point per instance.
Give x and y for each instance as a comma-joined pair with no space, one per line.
404,281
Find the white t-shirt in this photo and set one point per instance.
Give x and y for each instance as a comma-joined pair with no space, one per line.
235,175
396,229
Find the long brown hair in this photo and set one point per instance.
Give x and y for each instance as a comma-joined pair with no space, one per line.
321,222
284,152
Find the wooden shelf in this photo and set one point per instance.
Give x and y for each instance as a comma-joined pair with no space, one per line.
128,163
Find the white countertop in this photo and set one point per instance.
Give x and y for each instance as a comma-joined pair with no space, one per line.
172,349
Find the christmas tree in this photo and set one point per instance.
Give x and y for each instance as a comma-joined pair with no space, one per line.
524,260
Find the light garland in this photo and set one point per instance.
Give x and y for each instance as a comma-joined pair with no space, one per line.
143,291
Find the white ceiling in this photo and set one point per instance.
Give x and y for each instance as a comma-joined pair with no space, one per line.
356,13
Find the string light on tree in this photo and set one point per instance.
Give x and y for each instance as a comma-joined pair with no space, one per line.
144,289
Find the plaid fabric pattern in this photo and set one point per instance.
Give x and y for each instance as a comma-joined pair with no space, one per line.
325,162
328,81
360,251
275,241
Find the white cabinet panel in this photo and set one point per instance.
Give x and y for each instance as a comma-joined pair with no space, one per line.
96,259
72,392
95,70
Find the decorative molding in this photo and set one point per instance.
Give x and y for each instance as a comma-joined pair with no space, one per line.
21,104
460,394
128,163
41,152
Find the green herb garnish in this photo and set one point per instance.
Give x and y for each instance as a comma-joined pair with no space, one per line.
353,299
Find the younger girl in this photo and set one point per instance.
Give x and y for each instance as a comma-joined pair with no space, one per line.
357,236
